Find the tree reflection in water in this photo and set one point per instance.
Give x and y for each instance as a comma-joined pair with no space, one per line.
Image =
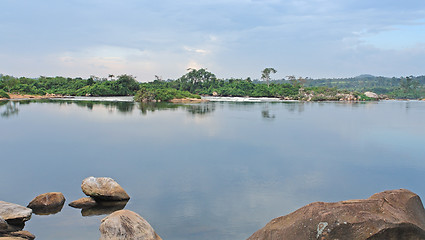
11,108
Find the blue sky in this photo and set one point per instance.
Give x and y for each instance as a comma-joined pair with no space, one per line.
231,38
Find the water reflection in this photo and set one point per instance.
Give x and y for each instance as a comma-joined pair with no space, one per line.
47,210
200,109
103,208
294,106
11,108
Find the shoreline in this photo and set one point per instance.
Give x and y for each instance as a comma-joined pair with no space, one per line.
30,97
186,100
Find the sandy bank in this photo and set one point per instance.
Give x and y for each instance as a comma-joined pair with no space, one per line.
27,96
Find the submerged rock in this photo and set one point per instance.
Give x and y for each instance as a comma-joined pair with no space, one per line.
103,188
86,202
47,203
389,215
126,225
14,214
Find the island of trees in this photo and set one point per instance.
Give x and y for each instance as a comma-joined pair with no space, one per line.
198,82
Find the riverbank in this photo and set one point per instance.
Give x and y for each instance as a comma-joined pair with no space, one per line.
28,96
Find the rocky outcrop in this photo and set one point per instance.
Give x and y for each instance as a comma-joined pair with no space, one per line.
14,214
86,202
389,215
103,188
21,235
128,225
371,95
47,203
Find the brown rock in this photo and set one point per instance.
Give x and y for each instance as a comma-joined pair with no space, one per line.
103,208
17,236
47,203
86,202
389,215
128,225
14,213
103,188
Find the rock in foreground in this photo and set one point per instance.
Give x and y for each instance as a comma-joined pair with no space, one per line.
47,203
128,225
21,235
389,215
14,214
103,188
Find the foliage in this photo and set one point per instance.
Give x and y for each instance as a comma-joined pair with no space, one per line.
265,74
146,94
3,94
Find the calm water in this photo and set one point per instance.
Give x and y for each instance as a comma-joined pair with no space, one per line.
217,170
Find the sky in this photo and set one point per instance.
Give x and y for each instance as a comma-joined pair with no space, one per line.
230,38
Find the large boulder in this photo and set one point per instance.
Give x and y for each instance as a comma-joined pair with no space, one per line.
389,215
128,225
103,188
47,203
14,214
371,95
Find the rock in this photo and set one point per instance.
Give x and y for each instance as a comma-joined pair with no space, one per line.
103,208
389,215
128,225
47,203
86,202
371,95
3,224
17,236
14,214
103,188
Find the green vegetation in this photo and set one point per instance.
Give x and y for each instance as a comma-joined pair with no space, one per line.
146,94
400,88
3,94
124,85
202,82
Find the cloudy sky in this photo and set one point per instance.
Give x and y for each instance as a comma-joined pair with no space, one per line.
231,38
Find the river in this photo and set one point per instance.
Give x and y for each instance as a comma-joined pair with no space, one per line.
217,170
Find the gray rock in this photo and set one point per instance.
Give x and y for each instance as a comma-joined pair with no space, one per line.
126,225
103,188
3,224
14,213
47,203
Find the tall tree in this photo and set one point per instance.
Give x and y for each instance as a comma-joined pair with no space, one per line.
265,74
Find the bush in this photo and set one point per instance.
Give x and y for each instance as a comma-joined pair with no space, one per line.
164,95
3,94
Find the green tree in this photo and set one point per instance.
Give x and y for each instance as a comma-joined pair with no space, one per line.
265,74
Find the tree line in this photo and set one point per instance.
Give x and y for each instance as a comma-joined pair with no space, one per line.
202,82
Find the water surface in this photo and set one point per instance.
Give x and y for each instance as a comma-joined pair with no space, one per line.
218,170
